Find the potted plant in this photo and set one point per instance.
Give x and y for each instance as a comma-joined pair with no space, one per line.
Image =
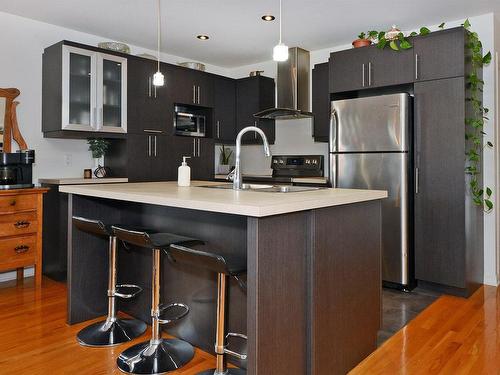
98,148
362,41
225,156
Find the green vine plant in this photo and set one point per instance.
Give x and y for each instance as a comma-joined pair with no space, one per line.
475,124
474,133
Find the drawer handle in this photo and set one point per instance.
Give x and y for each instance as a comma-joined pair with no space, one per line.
21,249
22,224
13,202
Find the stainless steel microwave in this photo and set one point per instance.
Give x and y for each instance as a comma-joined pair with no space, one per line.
189,122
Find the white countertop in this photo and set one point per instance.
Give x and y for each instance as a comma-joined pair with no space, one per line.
247,203
80,181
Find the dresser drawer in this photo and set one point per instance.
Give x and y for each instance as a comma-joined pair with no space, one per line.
18,223
17,249
22,202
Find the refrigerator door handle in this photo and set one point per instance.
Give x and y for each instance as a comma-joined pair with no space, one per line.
333,130
333,170
416,180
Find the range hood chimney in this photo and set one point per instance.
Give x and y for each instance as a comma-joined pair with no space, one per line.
292,88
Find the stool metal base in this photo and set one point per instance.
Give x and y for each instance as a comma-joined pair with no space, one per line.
230,371
150,358
109,333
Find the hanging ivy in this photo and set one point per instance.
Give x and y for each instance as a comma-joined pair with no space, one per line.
474,131
475,124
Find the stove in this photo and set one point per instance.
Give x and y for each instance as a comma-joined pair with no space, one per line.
293,170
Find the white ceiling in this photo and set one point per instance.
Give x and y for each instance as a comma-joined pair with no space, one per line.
237,34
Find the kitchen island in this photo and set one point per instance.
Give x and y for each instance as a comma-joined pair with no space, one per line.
312,304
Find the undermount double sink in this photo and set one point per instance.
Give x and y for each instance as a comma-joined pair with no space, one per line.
266,188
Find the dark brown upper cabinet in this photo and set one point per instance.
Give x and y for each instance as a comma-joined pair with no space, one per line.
435,56
348,70
440,54
320,102
224,110
254,94
191,86
149,108
388,68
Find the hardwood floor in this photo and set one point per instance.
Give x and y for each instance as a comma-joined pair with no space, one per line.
35,339
452,336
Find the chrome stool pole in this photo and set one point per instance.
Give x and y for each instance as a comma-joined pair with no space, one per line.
113,330
221,337
223,266
158,355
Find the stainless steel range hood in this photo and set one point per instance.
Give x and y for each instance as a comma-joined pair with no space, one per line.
292,88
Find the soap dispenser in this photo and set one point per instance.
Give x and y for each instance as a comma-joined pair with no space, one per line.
184,173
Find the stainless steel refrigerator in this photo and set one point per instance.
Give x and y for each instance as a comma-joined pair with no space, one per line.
369,147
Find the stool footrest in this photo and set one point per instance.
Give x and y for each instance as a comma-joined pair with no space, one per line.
184,310
127,291
233,353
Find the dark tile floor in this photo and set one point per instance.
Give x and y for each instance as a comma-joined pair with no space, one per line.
401,307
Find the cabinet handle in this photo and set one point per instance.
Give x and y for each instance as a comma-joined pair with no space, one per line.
194,94
155,145
149,145
417,182
218,129
363,74
149,87
369,74
416,66
194,147
12,202
155,93
21,249
199,147
22,224
100,123
199,91
152,131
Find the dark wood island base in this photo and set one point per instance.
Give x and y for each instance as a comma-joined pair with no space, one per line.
313,303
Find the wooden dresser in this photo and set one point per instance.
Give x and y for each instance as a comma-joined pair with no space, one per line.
21,215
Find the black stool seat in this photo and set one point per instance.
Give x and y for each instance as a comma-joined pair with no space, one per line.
202,256
104,229
148,239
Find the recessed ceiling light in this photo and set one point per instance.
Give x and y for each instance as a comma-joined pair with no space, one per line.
203,37
268,17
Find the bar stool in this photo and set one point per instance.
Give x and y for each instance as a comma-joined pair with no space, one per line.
113,330
224,266
158,355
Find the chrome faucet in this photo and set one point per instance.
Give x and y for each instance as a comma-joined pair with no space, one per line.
236,174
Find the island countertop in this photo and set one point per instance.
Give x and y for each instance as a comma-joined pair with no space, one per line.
246,203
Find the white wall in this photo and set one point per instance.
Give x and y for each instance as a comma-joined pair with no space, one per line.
21,67
296,137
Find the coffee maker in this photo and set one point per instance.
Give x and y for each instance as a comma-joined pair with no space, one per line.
16,169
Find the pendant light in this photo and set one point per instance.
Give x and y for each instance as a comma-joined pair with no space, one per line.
158,78
280,51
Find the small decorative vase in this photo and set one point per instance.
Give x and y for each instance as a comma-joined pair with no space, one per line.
98,162
361,43
224,168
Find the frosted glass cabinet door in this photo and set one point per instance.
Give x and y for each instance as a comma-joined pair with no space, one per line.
79,100
111,94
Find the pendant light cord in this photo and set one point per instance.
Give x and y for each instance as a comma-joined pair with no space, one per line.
280,21
159,33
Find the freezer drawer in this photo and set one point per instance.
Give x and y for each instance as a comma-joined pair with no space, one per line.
372,124
382,171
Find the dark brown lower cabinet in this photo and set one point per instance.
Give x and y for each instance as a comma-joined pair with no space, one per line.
448,226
